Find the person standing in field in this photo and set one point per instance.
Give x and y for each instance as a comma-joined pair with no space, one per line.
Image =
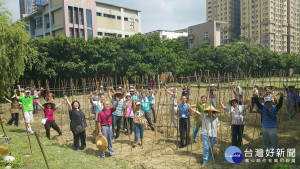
105,129
27,103
139,123
213,94
291,100
238,94
145,103
172,106
14,109
151,96
128,114
186,92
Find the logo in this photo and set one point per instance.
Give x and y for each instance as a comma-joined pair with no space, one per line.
233,154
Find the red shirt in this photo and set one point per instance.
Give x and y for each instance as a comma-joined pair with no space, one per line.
49,114
105,117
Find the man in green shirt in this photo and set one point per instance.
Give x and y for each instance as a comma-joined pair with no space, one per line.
27,103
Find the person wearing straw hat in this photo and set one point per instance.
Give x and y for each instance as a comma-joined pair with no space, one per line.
291,100
183,113
105,122
172,106
118,114
27,103
14,109
128,113
238,94
49,108
269,122
139,123
237,113
209,131
213,94
200,107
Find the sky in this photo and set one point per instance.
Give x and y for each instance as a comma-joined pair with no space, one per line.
156,14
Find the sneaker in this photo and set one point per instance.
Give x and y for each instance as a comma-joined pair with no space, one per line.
30,131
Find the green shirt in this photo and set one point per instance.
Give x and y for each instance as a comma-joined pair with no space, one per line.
200,109
27,103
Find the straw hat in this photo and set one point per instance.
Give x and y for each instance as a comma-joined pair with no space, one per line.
101,143
269,86
52,104
211,108
121,95
234,99
3,151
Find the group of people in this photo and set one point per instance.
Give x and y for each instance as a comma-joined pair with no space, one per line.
136,109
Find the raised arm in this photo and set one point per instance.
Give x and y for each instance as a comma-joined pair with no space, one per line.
117,99
39,93
7,99
278,106
222,105
109,94
57,106
169,91
68,103
40,105
259,105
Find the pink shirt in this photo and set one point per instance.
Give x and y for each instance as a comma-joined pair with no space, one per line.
129,110
105,116
49,114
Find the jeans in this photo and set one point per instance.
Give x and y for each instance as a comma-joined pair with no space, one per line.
107,132
147,115
237,135
35,108
270,137
138,131
14,118
82,137
208,146
152,108
48,126
196,131
214,102
117,121
184,128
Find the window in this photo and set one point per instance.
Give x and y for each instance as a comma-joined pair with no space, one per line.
126,36
53,33
89,18
38,23
90,33
125,19
76,32
108,34
131,23
206,35
70,14
191,31
99,14
119,17
109,16
71,32
52,18
76,15
100,33
191,44
80,16
82,33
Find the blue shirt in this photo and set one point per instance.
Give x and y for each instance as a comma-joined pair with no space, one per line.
133,97
183,111
118,111
145,104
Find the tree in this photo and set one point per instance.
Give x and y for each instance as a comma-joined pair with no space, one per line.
14,50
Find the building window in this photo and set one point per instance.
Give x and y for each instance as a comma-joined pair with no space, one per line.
100,33
191,44
89,18
76,32
39,23
90,33
82,33
119,17
76,15
109,34
53,33
206,35
70,14
109,16
99,14
131,23
71,32
125,19
52,18
191,31
126,36
81,16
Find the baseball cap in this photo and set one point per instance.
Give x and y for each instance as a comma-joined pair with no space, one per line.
267,99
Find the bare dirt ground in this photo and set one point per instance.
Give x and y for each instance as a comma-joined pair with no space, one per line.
160,147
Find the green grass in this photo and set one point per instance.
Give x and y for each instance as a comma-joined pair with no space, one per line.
57,155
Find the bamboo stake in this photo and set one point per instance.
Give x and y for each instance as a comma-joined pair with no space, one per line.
5,135
42,149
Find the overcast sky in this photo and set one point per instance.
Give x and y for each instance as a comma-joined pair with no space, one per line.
156,14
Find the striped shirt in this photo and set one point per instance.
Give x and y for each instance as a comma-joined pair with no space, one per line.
269,116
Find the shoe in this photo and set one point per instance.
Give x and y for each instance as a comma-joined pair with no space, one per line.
117,138
30,131
83,147
152,128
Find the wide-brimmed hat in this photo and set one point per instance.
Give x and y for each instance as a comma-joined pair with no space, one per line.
101,143
118,93
119,88
269,86
234,99
52,104
138,103
3,151
128,94
211,108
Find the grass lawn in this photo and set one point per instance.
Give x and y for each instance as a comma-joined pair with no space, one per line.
57,155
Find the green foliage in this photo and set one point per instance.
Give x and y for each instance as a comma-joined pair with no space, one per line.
14,50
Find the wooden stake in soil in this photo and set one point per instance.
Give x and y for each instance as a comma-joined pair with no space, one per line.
41,147
5,135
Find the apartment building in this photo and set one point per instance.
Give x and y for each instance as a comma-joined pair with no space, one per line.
28,7
83,19
272,23
226,11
